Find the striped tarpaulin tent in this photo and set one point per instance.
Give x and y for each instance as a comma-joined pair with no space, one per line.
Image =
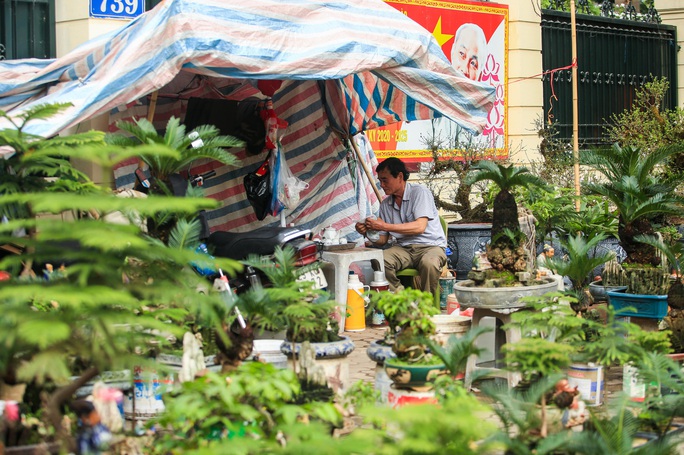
348,66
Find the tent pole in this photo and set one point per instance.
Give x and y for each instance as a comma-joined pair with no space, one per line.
575,114
365,167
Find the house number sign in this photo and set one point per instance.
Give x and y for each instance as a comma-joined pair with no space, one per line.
116,9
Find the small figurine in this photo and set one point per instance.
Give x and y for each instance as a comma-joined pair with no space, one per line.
193,358
93,438
480,261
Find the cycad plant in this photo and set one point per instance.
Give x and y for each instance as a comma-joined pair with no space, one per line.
506,251
640,192
578,265
206,143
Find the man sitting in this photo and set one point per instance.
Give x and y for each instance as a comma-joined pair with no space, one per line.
409,214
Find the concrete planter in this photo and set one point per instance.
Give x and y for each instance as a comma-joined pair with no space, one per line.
471,296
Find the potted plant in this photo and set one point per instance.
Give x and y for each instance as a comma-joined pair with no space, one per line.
509,253
203,142
78,322
578,265
305,313
632,182
408,313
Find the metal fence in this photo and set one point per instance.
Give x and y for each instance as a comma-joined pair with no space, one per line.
614,58
27,29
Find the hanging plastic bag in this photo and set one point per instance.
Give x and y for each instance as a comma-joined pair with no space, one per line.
286,187
258,189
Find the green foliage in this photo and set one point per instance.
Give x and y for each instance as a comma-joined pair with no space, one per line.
36,159
360,394
616,432
121,295
457,349
580,262
509,236
645,125
424,428
252,410
161,167
640,195
408,313
522,420
290,304
535,357
506,178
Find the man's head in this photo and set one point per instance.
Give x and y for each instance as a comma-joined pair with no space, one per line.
468,51
393,175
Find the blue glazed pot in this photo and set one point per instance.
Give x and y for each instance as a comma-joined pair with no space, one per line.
378,352
645,306
331,350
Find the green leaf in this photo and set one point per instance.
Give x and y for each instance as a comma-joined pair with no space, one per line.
44,366
44,332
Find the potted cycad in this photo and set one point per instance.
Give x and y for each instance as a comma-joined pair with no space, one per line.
510,276
632,182
166,171
578,265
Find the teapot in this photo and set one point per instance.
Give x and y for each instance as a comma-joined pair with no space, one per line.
330,236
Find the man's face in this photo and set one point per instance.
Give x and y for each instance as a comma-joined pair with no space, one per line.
390,185
465,55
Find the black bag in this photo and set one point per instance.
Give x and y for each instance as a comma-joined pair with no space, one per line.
259,192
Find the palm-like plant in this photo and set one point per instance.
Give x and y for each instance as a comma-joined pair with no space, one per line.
212,145
640,194
579,264
505,225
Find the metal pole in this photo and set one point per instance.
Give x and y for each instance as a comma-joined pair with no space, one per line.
575,114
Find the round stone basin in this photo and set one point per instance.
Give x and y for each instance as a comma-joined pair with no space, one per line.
471,296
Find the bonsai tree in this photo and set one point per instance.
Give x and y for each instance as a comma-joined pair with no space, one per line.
506,251
76,321
632,183
408,313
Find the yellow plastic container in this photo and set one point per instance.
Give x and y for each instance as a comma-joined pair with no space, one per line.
355,320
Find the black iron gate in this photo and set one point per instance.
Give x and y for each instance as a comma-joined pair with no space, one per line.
615,57
27,29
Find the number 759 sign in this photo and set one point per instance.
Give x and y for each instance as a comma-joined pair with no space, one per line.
117,9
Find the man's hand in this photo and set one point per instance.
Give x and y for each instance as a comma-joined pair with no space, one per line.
374,224
361,228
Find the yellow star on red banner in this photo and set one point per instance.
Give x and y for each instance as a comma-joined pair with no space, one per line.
439,36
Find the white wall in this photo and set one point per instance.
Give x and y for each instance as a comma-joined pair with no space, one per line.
672,13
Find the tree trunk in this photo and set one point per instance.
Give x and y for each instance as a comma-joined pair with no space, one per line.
53,406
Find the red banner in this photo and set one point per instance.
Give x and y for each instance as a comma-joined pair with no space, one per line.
474,37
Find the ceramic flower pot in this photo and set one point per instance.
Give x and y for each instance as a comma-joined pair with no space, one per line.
416,377
600,292
332,356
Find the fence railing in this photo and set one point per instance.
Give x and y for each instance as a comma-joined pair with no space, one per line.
614,58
